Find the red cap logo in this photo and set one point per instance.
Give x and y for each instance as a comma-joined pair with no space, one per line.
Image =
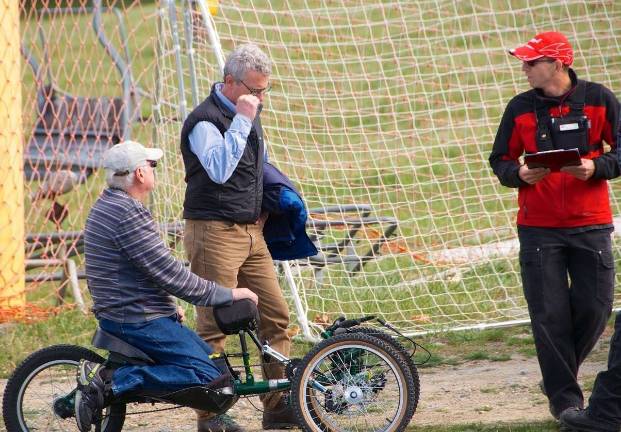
549,44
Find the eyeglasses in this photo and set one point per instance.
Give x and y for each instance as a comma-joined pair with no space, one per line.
257,92
151,163
533,63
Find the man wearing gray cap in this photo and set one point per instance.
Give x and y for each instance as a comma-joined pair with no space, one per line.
133,279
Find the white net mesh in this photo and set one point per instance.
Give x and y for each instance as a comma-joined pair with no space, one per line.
382,112
392,106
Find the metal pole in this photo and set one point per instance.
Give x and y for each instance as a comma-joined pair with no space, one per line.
299,309
12,271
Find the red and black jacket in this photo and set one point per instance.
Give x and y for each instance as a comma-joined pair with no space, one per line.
559,200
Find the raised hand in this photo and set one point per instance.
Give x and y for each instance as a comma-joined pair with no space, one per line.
247,105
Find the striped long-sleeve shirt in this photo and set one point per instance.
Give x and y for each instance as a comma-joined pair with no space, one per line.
131,274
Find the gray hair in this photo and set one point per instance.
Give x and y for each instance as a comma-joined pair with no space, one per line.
245,58
119,182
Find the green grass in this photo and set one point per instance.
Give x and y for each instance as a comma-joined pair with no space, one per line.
452,348
500,427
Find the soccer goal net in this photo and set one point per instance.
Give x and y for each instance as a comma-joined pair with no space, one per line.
384,114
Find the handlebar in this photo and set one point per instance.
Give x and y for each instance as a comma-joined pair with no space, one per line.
341,322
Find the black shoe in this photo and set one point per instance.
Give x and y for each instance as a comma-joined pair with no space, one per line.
578,420
89,398
281,417
556,413
219,423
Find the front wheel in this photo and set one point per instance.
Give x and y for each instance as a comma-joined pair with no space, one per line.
354,382
40,393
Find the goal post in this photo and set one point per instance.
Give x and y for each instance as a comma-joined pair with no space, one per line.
12,274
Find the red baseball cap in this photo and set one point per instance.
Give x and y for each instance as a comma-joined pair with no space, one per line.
549,44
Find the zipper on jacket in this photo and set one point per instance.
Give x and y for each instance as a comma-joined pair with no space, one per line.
563,193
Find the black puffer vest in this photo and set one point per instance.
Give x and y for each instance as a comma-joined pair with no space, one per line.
239,198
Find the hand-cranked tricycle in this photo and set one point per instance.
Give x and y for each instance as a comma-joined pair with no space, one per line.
358,378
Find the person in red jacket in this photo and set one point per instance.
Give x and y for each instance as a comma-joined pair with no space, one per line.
564,219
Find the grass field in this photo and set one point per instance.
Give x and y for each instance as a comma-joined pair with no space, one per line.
454,349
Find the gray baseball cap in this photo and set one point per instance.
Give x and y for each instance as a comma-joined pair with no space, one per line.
125,157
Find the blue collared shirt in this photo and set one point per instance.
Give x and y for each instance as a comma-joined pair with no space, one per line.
218,154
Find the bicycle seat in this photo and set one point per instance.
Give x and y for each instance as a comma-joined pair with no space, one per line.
241,315
109,342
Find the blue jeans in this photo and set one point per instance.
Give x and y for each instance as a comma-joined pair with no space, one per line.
181,356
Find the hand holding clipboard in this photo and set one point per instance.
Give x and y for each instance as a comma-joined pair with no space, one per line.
554,160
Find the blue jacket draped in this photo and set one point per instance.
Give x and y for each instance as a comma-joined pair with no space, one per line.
285,229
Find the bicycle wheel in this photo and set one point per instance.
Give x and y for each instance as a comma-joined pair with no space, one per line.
353,382
32,397
386,337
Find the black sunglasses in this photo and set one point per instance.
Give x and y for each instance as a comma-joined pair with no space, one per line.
533,63
257,92
151,163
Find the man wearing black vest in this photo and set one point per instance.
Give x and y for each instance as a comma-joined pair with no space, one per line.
564,218
223,152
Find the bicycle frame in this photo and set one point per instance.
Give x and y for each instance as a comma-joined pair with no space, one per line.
249,386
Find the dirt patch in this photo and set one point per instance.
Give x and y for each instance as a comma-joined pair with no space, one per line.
487,392
473,392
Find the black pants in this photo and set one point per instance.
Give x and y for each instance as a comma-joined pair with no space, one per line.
568,280
605,401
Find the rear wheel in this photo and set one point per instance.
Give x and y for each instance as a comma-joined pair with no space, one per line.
40,393
354,382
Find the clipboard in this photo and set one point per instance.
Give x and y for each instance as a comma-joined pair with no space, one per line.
553,159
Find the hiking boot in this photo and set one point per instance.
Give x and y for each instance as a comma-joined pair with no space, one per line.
89,397
281,417
579,420
219,423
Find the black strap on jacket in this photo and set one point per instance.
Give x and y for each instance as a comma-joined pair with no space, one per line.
544,138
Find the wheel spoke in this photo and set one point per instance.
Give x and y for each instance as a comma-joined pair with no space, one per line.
364,388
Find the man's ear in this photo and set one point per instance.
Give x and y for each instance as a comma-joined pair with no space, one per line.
229,80
139,174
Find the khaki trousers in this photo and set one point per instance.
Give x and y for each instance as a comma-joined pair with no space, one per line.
235,255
